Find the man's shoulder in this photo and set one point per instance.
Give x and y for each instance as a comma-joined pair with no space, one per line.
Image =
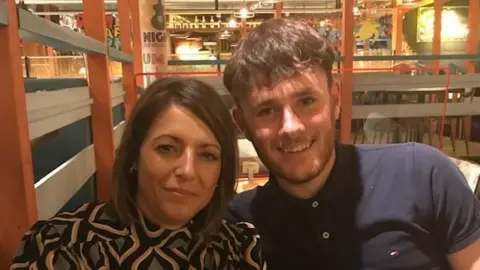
239,209
416,154
412,167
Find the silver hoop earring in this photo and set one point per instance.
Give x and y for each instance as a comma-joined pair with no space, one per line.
133,169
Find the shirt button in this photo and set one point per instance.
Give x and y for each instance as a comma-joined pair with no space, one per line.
315,204
326,235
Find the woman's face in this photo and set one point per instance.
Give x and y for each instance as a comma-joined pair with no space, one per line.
178,168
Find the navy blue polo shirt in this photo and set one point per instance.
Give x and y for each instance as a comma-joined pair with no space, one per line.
402,206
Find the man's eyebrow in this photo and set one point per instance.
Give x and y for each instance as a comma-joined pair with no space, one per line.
266,100
306,91
265,103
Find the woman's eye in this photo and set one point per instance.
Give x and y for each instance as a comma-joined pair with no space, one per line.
165,148
209,156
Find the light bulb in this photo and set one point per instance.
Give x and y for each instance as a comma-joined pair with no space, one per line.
243,12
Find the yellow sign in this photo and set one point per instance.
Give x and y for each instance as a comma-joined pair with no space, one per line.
367,29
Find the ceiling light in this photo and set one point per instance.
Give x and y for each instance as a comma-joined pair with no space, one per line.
244,13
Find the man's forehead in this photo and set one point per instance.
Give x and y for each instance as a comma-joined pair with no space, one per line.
289,87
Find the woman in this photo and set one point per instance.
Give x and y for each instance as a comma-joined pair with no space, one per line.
174,174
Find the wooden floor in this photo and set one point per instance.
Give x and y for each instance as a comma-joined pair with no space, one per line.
457,148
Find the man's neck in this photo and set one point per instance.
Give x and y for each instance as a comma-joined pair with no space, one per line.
311,188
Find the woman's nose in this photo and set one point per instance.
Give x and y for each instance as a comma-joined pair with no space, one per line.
186,164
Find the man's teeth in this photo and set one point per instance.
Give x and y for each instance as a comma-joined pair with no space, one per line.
296,148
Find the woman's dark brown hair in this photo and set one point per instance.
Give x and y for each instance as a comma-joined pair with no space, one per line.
200,99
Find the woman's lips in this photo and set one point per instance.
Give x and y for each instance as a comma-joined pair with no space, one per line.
180,191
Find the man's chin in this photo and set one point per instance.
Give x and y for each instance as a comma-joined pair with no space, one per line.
297,178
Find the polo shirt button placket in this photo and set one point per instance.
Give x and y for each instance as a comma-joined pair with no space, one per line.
321,215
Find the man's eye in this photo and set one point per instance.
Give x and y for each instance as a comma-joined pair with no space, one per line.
307,101
265,112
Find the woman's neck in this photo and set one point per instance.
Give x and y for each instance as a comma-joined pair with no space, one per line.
158,218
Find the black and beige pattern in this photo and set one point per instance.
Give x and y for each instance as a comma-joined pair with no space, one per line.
89,238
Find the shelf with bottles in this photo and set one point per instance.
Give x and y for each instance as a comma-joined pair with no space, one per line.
204,25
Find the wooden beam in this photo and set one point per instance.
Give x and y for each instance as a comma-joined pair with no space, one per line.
136,42
127,68
472,39
472,45
414,5
243,27
17,199
347,65
437,34
64,182
278,10
397,31
100,92
391,111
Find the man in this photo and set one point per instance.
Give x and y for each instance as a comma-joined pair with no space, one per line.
329,205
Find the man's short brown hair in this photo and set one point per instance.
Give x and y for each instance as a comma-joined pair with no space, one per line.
276,50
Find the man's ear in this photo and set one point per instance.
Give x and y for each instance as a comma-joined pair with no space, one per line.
336,95
237,114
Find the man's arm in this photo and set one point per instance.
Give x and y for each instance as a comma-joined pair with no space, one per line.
456,210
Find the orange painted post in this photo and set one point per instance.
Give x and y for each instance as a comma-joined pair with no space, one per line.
243,27
472,44
100,91
278,10
347,52
472,39
48,49
136,41
127,68
397,30
366,42
436,48
17,198
437,34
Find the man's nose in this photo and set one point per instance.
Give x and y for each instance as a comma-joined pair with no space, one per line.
291,124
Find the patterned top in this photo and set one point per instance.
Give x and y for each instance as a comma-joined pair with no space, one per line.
89,238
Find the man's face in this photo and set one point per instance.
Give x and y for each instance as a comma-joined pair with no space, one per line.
292,125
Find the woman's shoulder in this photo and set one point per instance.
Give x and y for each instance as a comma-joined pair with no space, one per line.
63,237
76,225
